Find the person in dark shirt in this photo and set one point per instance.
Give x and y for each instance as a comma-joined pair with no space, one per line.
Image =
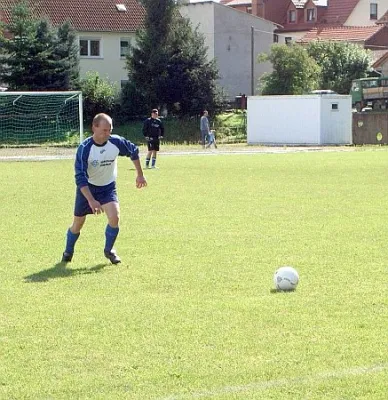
153,131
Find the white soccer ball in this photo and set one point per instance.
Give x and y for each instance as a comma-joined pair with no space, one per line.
286,278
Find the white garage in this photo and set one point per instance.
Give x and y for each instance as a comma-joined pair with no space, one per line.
300,120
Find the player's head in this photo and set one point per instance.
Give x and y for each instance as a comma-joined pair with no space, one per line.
154,113
102,127
205,113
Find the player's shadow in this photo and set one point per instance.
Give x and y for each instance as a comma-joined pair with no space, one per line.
60,270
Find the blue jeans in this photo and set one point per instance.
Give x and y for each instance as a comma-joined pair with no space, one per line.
203,137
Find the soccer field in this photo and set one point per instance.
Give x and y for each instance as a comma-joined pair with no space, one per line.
190,312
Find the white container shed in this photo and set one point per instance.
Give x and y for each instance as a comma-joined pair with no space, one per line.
300,120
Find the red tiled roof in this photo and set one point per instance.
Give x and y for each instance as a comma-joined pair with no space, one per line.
339,11
276,11
86,15
341,33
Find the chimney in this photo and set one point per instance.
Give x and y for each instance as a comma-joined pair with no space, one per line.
258,8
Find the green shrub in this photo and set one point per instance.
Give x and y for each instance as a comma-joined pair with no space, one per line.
99,95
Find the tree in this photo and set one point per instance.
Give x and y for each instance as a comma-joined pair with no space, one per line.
169,67
341,62
194,78
294,71
147,62
35,56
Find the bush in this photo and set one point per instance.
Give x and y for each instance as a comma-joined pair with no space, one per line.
177,131
231,127
99,95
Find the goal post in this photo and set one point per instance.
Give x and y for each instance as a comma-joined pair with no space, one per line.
49,119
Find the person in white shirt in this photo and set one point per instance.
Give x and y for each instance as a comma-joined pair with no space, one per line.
95,177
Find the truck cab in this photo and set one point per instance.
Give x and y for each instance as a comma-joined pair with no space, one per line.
370,92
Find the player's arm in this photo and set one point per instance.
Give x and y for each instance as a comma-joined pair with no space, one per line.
81,178
145,129
140,178
161,129
129,149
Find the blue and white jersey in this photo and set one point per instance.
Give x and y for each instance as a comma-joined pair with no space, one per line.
97,164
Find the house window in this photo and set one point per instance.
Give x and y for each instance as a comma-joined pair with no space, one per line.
90,47
249,10
288,39
275,38
334,106
310,14
124,47
373,10
291,16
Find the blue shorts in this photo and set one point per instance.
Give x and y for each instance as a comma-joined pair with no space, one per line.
153,145
103,194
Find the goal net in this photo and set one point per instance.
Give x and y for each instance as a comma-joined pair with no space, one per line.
38,124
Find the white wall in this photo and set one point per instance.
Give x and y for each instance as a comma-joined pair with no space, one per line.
361,13
283,120
299,120
110,64
294,35
336,125
202,15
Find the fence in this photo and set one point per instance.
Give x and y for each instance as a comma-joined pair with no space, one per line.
370,128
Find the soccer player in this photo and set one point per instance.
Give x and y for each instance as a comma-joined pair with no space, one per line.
153,131
95,177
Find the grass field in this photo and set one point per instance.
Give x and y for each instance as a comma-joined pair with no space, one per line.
190,313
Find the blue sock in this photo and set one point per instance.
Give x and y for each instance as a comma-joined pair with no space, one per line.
153,161
110,237
147,162
70,242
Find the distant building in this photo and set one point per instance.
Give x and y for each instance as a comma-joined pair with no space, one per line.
229,40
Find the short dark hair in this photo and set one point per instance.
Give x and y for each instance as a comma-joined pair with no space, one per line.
102,117
154,111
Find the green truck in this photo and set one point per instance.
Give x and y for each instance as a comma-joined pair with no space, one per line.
370,92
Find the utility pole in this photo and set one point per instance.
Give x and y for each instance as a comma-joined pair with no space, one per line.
252,61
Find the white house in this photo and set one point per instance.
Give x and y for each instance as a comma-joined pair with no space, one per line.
104,28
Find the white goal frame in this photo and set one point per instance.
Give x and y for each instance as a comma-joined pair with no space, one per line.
71,95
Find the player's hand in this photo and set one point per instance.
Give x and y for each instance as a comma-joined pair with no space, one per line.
96,207
141,181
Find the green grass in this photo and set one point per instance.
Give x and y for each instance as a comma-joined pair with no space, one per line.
231,127
190,313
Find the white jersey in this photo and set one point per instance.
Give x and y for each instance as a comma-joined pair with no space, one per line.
97,164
